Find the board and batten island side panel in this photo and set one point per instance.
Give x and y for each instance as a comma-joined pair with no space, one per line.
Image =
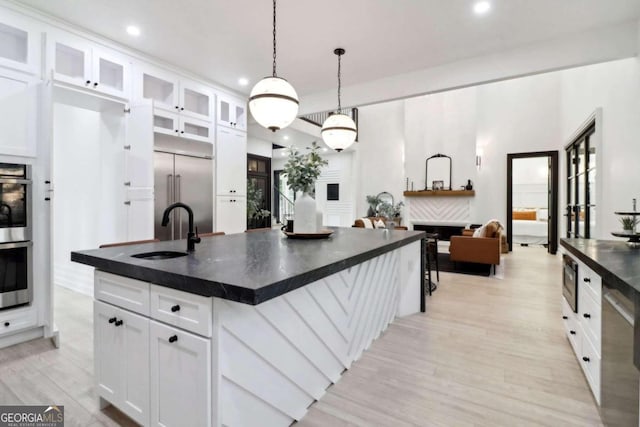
276,358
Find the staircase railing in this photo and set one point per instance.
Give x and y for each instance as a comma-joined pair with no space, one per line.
284,207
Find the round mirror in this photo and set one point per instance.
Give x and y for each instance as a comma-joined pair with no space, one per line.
384,197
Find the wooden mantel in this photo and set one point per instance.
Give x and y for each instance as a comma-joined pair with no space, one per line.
440,193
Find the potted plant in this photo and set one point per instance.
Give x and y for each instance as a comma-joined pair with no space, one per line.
255,212
302,170
629,224
373,202
391,212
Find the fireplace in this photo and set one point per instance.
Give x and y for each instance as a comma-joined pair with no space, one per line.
444,231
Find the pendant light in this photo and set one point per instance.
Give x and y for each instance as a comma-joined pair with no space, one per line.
339,130
273,102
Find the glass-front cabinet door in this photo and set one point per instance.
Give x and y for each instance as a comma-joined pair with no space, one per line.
581,175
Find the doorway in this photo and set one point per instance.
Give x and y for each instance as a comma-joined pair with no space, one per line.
532,199
259,190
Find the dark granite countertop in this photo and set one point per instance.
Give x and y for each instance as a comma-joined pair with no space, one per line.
614,261
248,267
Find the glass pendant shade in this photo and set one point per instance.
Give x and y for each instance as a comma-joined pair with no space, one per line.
339,131
273,103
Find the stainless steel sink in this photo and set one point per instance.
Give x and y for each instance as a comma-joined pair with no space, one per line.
159,255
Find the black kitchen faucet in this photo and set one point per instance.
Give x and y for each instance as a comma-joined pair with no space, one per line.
192,238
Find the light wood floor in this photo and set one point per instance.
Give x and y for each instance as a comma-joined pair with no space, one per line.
488,352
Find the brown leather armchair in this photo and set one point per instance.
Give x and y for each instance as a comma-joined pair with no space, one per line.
482,250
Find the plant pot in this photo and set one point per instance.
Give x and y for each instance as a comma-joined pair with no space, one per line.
305,216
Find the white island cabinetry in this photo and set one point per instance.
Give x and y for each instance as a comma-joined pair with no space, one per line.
214,361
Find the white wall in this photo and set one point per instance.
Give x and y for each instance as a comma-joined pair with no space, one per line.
380,153
88,207
614,87
259,147
536,113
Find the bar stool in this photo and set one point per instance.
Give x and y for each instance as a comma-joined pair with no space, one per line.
431,255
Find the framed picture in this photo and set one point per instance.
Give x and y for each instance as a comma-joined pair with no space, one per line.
438,185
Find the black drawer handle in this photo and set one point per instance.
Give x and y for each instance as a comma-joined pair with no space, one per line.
7,324
565,317
587,280
586,316
113,319
586,359
175,308
173,338
95,84
572,332
119,322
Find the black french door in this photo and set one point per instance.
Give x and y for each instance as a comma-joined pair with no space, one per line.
580,209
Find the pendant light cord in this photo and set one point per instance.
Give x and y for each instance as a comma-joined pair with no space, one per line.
274,38
339,86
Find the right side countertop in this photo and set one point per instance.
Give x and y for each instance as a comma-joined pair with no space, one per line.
615,262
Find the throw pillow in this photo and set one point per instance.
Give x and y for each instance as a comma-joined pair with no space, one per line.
479,231
366,222
379,224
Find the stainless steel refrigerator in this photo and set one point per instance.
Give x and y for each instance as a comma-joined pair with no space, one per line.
186,178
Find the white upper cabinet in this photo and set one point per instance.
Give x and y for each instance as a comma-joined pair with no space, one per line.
231,163
172,93
232,112
20,41
19,97
78,62
176,124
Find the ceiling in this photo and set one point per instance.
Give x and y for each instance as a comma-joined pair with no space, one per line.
224,40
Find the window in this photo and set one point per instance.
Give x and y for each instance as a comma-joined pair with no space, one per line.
581,176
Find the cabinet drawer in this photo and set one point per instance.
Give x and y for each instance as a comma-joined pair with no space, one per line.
571,327
589,314
122,291
184,310
591,281
590,362
17,320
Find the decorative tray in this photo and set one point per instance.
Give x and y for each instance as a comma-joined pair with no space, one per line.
322,234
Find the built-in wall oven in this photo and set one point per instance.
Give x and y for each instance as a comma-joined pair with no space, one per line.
570,281
16,254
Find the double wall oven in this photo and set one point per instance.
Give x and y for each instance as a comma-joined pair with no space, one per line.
16,247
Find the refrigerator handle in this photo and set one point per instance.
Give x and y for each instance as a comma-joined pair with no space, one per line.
179,199
170,200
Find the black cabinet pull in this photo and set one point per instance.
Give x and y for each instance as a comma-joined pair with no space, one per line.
113,319
88,82
587,280
177,131
95,84
7,324
572,332
118,322
175,308
181,108
586,316
181,131
586,359
565,317
173,338
177,108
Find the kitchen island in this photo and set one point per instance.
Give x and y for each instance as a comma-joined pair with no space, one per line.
251,328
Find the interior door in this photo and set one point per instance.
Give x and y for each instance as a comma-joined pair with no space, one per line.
194,187
164,193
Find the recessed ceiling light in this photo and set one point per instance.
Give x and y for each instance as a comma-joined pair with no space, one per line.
132,30
325,149
286,137
243,81
481,7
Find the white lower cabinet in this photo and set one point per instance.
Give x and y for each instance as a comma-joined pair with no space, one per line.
121,345
231,214
180,377
157,374
584,328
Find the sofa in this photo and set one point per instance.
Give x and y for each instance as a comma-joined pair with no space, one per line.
483,248
359,223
